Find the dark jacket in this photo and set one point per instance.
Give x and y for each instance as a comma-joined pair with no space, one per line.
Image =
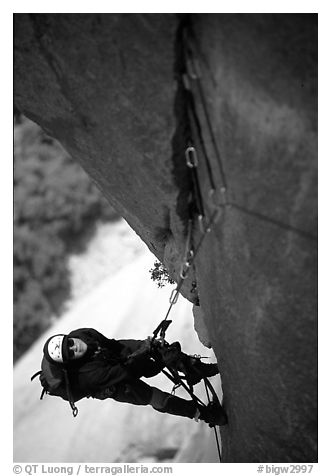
105,364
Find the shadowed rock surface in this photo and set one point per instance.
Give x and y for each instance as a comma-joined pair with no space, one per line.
105,86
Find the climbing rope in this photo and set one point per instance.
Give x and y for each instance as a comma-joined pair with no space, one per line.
189,259
191,78
215,432
192,162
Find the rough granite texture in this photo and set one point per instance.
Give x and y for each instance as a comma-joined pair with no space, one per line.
105,86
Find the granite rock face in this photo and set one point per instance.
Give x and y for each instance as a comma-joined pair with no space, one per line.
109,88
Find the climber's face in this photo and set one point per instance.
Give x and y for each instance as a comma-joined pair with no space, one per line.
77,348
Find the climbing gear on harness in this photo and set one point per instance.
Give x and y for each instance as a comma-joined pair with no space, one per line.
161,328
195,370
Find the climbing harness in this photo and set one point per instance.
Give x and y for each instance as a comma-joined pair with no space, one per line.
210,388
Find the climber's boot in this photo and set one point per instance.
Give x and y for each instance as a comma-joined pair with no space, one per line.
195,370
213,414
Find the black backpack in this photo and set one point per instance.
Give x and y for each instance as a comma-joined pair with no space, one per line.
55,381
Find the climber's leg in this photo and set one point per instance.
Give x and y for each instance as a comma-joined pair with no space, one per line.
192,367
138,392
134,391
195,370
165,403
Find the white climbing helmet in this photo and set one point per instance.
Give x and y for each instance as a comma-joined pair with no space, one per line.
54,348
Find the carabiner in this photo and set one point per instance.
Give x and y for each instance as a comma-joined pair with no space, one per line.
190,256
173,296
191,157
184,272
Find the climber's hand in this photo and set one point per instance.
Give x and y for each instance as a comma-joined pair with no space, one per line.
144,349
159,342
147,344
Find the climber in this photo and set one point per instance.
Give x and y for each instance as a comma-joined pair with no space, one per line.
102,368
